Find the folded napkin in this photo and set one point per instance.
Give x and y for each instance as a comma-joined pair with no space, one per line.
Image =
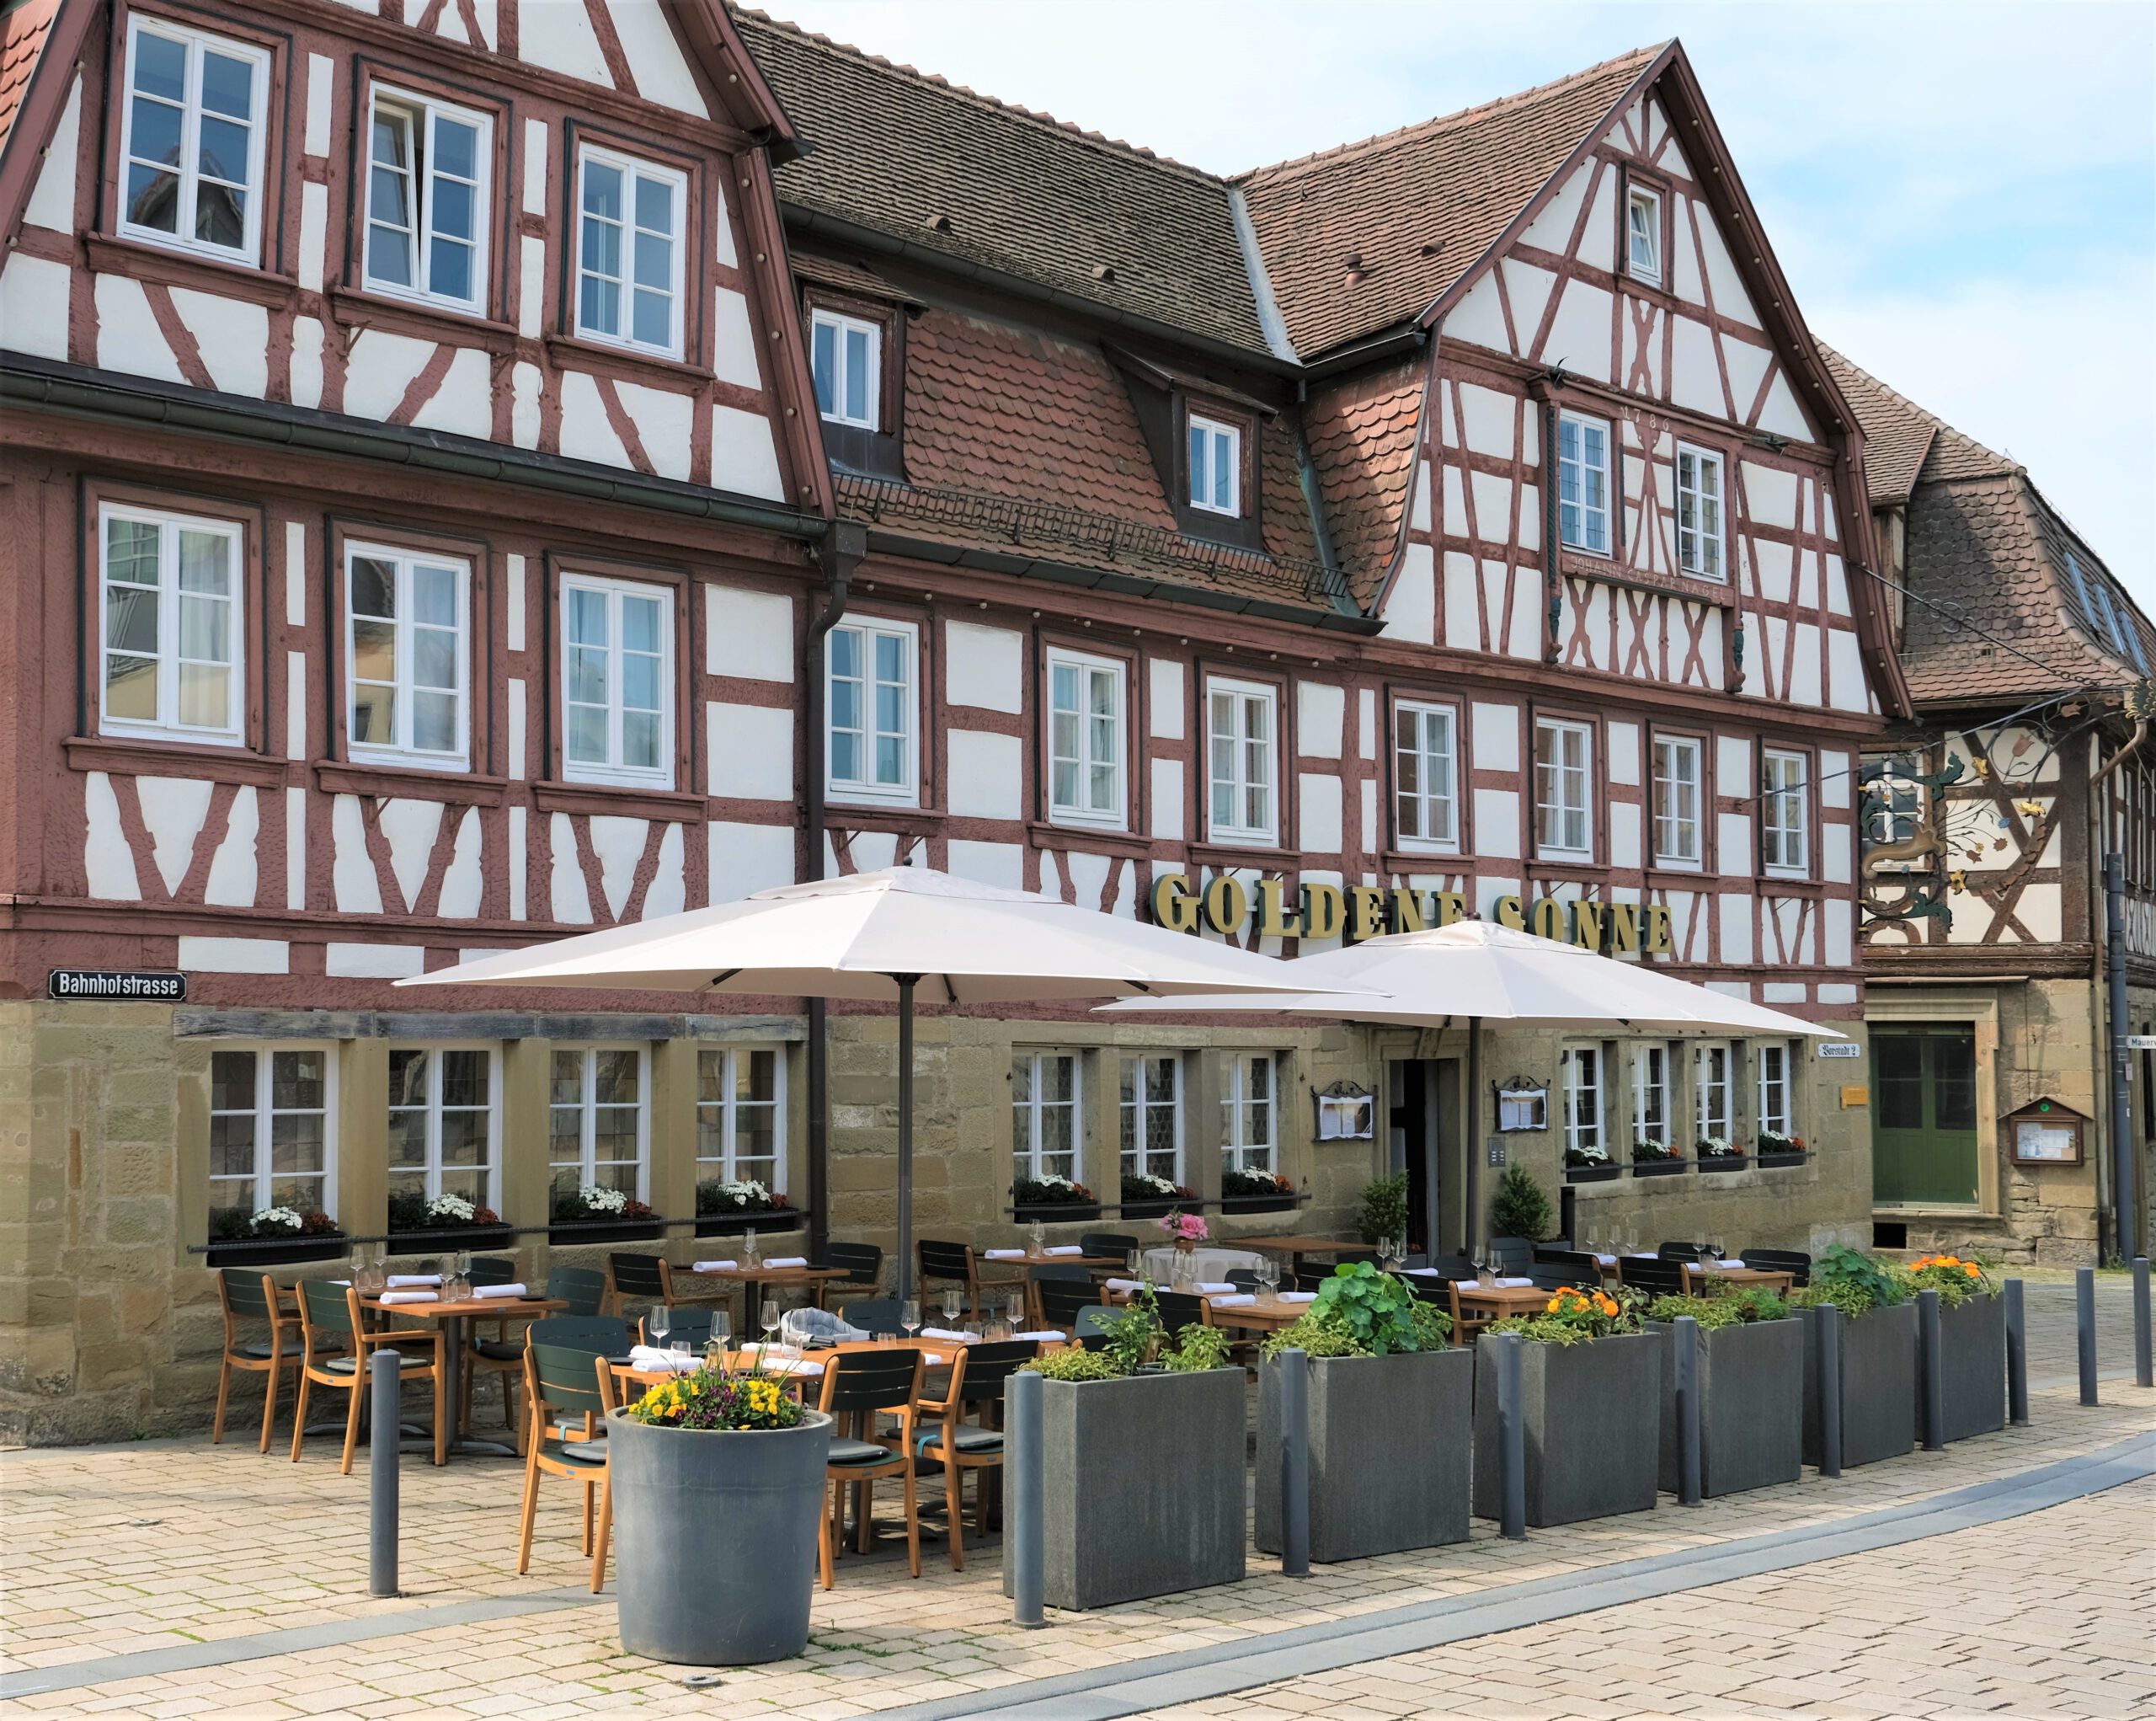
652,1360
1298,1296
1606,1260
1724,1266
1215,1287
1414,1272
493,1290
1003,1254
1238,1300
411,1296
1044,1334
777,1352
1122,1283
406,1281
790,1365
946,1333
787,1261
1515,1284
1068,1250
712,1267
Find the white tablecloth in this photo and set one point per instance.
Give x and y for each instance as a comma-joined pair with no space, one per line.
1206,1263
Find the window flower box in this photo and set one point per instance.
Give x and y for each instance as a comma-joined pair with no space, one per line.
1655,1159
272,1235
1719,1154
591,1215
1590,1165
1255,1192
1145,1196
443,1225
1051,1200
1781,1149
726,1208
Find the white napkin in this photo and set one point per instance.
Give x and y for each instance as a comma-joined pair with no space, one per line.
493,1290
1515,1284
1724,1266
1413,1272
1045,1332
1122,1283
956,1338
1238,1300
1606,1260
790,1365
650,1358
1067,1249
1215,1287
787,1261
410,1297
1298,1296
712,1267
1003,1254
406,1282
1642,1255
775,1351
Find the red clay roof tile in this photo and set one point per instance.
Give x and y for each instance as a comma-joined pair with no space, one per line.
23,30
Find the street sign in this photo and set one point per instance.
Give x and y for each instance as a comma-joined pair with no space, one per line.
1840,1049
2141,1042
119,985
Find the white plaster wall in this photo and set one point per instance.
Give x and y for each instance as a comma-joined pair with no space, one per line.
752,752
108,862
985,666
744,455
985,774
749,858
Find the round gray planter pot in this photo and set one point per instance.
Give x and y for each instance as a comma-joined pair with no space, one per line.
715,1538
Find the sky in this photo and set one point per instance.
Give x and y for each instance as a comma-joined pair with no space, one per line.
1962,195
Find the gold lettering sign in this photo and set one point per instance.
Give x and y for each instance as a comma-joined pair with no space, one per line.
1225,904
1366,912
1511,914
1274,920
1173,906
1324,911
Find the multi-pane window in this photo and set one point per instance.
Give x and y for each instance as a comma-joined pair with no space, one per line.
1785,812
406,661
1425,778
1651,1115
191,142
598,1133
269,1131
442,1106
872,717
741,1116
1583,1131
1563,755
1250,1112
1643,234
1713,1093
1085,738
1044,1116
427,176
847,357
629,251
1152,1115
1583,483
170,592
1699,512
1677,773
1777,1109
1241,731
617,645
1216,466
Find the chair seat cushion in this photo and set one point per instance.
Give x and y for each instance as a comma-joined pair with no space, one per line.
852,1452
259,1352
589,1452
501,1350
967,1440
347,1364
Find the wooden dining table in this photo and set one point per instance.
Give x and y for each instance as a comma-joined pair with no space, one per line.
1698,1278
756,1278
451,1317
1266,1312
1294,1245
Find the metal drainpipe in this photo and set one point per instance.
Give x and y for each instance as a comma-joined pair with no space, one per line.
2125,1217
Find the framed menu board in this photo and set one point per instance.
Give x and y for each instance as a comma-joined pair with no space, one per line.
2046,1133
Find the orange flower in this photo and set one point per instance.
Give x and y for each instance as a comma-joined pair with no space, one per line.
1973,1271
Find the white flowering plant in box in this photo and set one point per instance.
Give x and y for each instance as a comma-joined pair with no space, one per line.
1719,1147
715,1196
1049,1190
268,1225
572,1203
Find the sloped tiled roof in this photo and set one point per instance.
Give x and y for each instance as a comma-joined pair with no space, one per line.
1410,211
23,30
1361,438
1897,432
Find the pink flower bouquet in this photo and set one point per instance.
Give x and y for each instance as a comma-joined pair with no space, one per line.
1185,1228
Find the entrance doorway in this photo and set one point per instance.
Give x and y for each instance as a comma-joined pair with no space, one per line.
1423,1129
1923,1118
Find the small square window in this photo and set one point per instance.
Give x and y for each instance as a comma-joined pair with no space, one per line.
1643,235
1216,466
846,355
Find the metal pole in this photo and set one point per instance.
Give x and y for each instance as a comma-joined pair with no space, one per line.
1830,1390
1470,1216
905,1133
1931,1373
1512,1440
384,1371
2017,1356
1688,1411
1295,1367
2144,1367
2084,1329
2125,1231
1026,1503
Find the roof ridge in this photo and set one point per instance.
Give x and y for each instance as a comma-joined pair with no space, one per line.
1419,128
1099,140
1929,416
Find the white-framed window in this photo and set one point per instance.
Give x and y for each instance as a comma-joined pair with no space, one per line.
741,1116
1250,1112
1583,483
190,143
273,1135
172,624
1583,1108
1777,1105
873,747
1643,234
1216,466
406,655
428,172
629,251
1714,1109
1785,812
444,1102
1045,1119
1425,774
598,1118
1678,768
1086,738
617,694
1564,757
1650,1114
1242,733
1699,511
847,357
1152,1115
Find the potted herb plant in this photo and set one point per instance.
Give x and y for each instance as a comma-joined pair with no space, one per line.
1972,1342
588,1214
726,1206
421,1227
1651,1158
1391,1421
1590,1410
1145,1196
1052,1198
717,1483
1255,1192
1776,1149
269,1235
1142,1442
1878,1357
1719,1153
1590,1165
1751,1388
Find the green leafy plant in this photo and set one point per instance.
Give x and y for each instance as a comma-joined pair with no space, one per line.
1197,1349
1954,1277
1738,1308
1383,1211
1322,1331
1075,1366
1519,1208
1573,1317
1852,1281
1137,1338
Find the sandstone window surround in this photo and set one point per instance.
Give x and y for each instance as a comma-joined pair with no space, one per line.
1585,1110
741,1116
1776,1064
1048,1118
1714,1111
1653,1118
1249,1111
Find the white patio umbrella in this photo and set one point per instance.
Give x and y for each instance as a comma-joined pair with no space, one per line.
882,935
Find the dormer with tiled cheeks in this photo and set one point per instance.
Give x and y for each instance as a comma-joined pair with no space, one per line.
856,325
1208,444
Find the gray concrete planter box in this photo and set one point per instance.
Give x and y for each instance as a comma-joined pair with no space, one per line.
1973,1360
1879,1385
1144,1488
1751,1405
1390,1453
1592,1421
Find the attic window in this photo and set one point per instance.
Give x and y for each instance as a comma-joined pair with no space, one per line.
1216,466
846,355
1643,235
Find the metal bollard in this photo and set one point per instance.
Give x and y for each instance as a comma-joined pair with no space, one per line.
1512,1440
1931,1372
2017,1356
1026,1504
1688,1411
1295,1367
1830,1390
2144,1367
2084,1329
384,1370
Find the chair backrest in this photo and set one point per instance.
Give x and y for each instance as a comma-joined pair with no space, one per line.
596,1335
1348,1258
492,1270
1677,1252
1552,1255
871,1380
979,1378
1453,1266
689,1320
1511,1255
1432,1290
1242,1278
864,1264
246,1292
567,1381
873,1314
1791,1261
1549,1276
1060,1269
325,1305
1061,1299
1180,1309
1414,1257
1657,1278
582,1288
1091,1323
946,1260
637,1277
1114,1244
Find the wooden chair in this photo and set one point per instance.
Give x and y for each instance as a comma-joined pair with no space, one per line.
563,1384
713,1293
1060,1300
502,1353
947,1262
864,1272
978,1375
1677,1252
1180,1309
1663,1278
1116,1244
633,1278
873,1314
1089,1328
247,1295
869,1384
1510,1257
1794,1262
492,1270
337,1347
691,1322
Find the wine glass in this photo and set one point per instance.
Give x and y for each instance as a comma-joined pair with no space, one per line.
1269,1276
952,1302
721,1336
658,1324
769,1318
1037,1239
1014,1310
1721,1254
752,1251
909,1317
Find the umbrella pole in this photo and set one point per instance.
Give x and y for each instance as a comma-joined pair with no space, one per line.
906,982
1469,1216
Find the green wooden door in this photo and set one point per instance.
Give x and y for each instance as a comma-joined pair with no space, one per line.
1924,1115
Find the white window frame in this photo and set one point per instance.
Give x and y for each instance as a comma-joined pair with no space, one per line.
1562,775
166,724
632,168
587,1167
264,1112
1240,780
1775,1055
489,1170
1585,1132
1637,197
612,770
401,752
1669,848
1702,548
1135,1109
1242,1149
1089,755
1653,1093
1578,466
426,111
1424,715
869,628
1707,1085
726,1166
1212,434
1780,796
841,324
188,168
1026,1162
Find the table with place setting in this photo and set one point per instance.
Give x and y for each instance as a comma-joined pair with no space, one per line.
756,1275
450,1302
1226,1306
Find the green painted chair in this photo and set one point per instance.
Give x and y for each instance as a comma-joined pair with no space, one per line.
337,1347
248,1294
565,1385
633,1278
868,1384
978,1375
584,1289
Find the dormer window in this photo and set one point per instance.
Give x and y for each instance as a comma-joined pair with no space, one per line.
847,353
1643,234
1216,466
